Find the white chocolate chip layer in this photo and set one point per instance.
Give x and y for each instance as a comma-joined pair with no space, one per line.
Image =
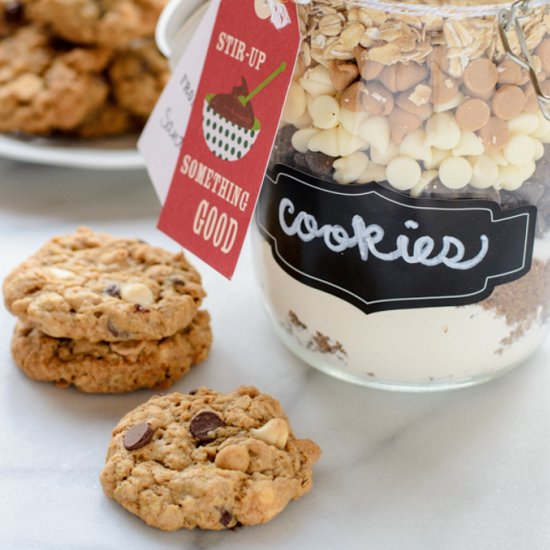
455,172
295,105
484,172
325,112
375,130
301,139
442,131
414,146
349,169
403,173
374,172
326,142
469,145
348,143
520,150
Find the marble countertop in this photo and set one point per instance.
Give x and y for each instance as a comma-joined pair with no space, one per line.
463,470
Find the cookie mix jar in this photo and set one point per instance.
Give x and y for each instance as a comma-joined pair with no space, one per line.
402,236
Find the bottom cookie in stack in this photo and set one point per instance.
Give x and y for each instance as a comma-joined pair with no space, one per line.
111,367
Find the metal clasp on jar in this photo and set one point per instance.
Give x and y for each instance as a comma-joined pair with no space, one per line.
510,19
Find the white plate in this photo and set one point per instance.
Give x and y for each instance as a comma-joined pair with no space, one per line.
104,154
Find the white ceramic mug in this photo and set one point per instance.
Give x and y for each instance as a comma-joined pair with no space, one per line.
176,25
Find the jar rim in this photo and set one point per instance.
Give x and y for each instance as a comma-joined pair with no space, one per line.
492,8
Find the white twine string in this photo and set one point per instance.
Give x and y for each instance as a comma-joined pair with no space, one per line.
280,17
448,10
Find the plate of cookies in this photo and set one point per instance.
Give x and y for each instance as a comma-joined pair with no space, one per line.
78,81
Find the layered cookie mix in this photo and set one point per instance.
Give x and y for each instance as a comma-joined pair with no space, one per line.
207,460
423,101
51,84
106,314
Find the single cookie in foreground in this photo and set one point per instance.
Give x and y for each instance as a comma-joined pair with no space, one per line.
111,367
92,286
207,460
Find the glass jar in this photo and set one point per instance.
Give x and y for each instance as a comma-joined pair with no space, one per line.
402,236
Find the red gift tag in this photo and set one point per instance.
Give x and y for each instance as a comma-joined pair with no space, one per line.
231,131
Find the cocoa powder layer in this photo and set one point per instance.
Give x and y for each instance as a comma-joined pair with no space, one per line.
523,302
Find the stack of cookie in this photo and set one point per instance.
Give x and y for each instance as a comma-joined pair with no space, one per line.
107,315
83,68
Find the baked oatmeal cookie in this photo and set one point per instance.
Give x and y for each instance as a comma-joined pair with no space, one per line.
92,286
44,89
109,120
111,367
138,74
108,22
207,460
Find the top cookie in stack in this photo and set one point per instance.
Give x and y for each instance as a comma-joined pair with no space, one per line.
83,68
100,297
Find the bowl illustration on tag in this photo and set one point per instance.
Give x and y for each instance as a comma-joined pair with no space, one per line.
229,124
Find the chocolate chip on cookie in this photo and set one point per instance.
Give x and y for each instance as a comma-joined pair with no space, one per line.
14,12
203,424
225,517
138,436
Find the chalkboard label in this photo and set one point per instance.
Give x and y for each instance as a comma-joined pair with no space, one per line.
381,250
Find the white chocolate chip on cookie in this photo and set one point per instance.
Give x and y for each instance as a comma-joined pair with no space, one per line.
137,293
275,432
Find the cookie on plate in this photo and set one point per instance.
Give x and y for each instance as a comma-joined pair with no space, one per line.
110,120
207,460
95,287
111,367
109,22
45,88
138,75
